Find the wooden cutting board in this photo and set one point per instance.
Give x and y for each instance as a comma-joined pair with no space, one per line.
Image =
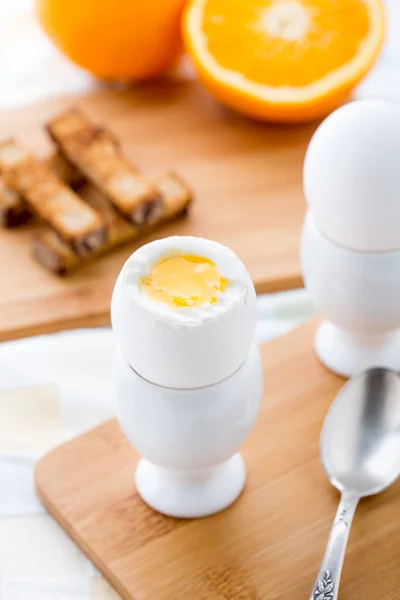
246,177
269,544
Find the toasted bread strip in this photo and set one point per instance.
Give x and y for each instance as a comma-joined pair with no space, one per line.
53,201
94,152
14,211
56,256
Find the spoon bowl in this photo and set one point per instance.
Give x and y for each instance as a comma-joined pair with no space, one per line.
360,452
360,440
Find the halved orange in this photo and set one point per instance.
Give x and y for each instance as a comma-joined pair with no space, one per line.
283,60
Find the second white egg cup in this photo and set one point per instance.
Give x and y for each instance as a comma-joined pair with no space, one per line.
189,439
359,294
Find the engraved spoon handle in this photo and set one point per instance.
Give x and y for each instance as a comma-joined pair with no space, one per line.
327,585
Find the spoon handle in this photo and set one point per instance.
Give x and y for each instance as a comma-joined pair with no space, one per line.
327,585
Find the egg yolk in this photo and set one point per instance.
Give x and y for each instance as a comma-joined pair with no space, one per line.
184,281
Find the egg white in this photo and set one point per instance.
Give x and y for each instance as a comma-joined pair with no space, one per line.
141,263
184,347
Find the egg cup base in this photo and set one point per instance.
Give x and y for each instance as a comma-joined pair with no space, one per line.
347,354
191,494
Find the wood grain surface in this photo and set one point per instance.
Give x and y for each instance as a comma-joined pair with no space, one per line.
269,544
246,177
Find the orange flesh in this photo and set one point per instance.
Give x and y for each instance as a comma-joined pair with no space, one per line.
184,281
284,42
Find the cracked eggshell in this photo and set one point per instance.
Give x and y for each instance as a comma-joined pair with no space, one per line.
185,347
352,176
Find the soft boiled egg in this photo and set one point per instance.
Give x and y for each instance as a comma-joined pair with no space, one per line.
352,176
184,312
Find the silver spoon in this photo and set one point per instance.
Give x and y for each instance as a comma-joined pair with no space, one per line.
360,452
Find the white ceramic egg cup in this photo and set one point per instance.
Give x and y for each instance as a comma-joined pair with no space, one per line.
189,439
359,294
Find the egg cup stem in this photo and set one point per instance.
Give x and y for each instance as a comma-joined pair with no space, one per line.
190,494
348,353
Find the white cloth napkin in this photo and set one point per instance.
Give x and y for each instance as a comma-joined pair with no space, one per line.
68,374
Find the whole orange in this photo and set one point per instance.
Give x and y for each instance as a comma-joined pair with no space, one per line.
119,40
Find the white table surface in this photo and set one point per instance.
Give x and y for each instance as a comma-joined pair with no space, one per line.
69,373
